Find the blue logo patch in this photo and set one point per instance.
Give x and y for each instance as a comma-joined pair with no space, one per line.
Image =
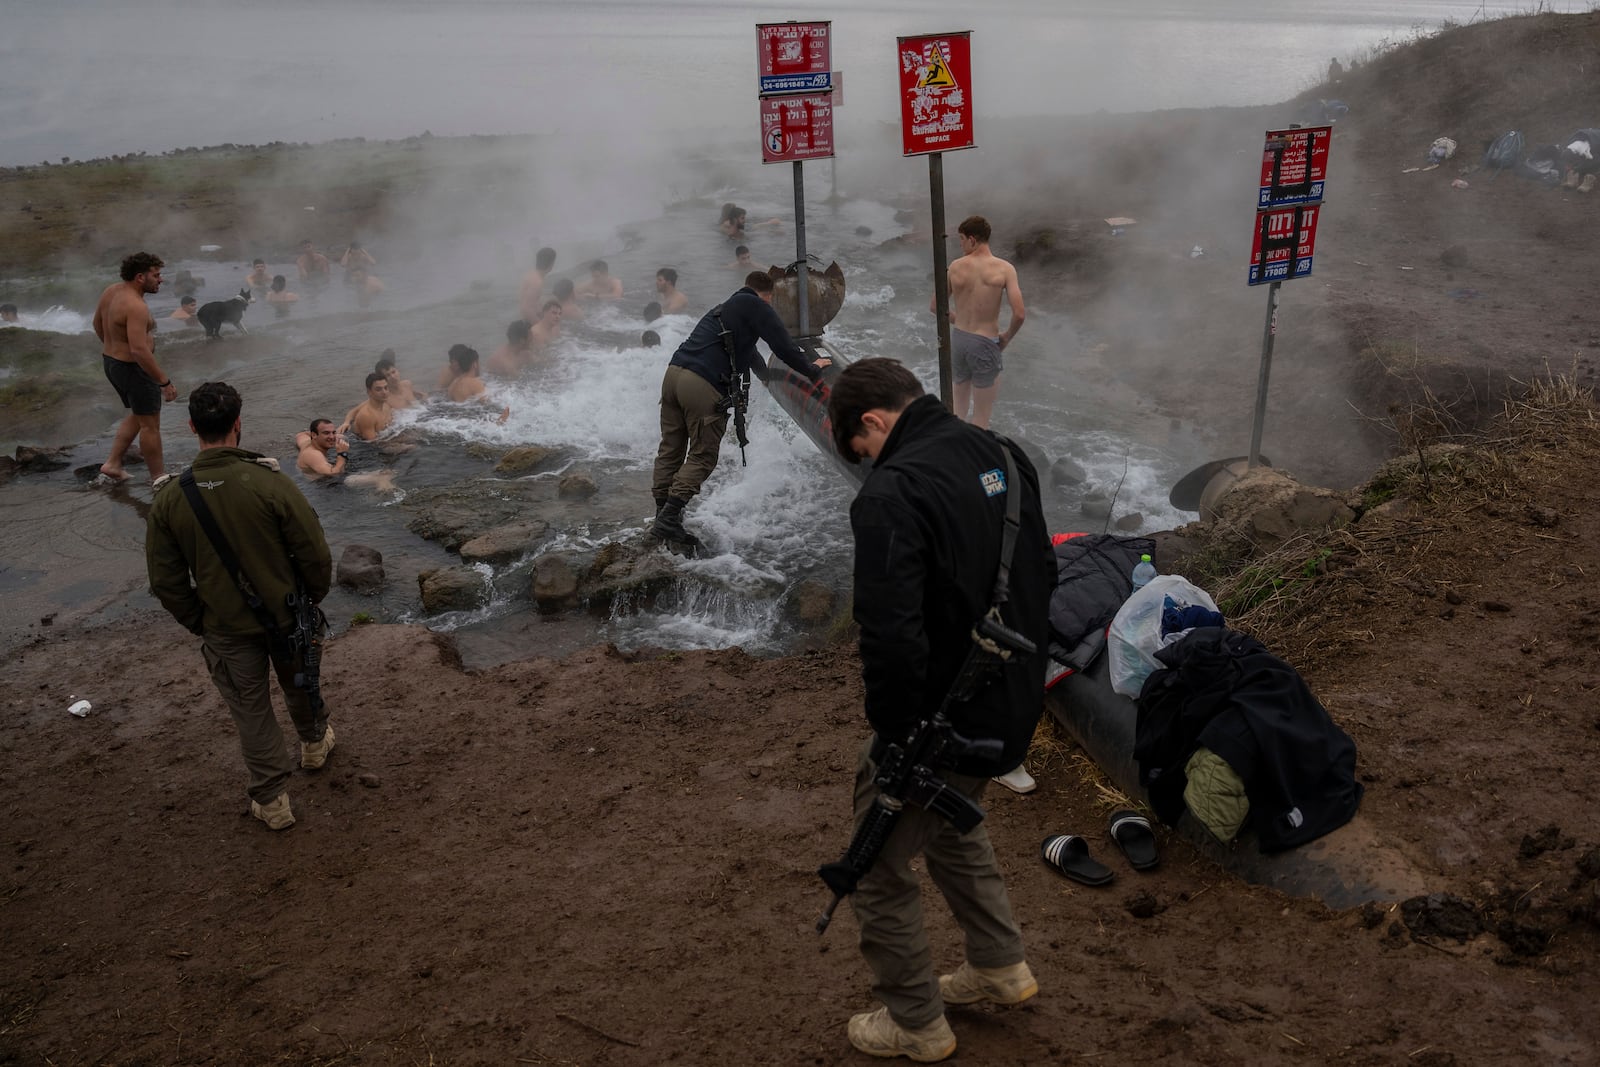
994,482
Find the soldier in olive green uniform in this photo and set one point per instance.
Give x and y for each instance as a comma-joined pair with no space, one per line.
276,536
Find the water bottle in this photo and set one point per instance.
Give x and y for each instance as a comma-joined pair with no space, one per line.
1143,572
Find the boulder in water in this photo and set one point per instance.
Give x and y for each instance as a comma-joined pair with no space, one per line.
361,569
812,603
504,543
555,583
577,487
451,589
523,459
1067,473
36,459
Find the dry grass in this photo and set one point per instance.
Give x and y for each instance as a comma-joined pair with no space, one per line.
1292,595
1054,753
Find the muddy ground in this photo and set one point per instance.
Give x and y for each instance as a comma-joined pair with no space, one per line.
610,859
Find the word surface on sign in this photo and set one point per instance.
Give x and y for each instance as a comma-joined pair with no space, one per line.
1294,166
794,57
935,93
796,128
1285,240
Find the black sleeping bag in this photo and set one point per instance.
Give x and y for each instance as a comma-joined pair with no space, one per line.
1094,575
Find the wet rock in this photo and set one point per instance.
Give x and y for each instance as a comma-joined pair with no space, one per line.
361,568
454,515
1130,522
505,543
813,603
8,469
555,582
1441,915
451,589
523,459
1096,504
36,459
1066,474
577,487
632,571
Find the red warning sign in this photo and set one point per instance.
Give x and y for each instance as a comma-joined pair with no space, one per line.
796,127
935,93
1284,243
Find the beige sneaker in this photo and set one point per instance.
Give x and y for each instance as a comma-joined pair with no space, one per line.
275,813
876,1034
1587,185
314,756
998,985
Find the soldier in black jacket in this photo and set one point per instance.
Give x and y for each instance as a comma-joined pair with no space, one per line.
695,391
928,530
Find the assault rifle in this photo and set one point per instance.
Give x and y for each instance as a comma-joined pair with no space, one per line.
908,772
738,389
305,644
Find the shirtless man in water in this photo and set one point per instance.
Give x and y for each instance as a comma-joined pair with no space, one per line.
533,283
124,325
672,301
324,441
977,282
601,285
516,355
402,394
467,385
372,416
548,328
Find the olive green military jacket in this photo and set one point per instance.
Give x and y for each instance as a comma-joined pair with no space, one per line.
269,524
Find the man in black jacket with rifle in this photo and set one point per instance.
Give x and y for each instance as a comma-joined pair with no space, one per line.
708,376
952,608
233,515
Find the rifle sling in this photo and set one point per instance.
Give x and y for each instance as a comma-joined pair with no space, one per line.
727,346
208,523
1013,525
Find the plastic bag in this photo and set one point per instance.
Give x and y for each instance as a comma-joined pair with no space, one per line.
1135,633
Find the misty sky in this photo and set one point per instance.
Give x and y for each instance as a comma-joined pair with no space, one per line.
83,78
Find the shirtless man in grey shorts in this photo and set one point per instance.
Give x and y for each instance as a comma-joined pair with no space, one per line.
977,282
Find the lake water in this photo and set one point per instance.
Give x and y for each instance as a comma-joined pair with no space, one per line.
601,82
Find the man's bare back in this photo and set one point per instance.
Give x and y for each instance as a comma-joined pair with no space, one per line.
978,281
532,294
125,327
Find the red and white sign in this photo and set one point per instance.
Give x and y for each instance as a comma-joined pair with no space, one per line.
935,93
794,57
796,127
1294,166
1274,241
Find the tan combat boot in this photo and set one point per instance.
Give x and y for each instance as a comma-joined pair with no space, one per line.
274,813
998,985
315,755
877,1034
1588,183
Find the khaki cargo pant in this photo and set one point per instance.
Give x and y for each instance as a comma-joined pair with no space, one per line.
692,424
888,902
238,666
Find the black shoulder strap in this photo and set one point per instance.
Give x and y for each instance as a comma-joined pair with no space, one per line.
1013,524
208,523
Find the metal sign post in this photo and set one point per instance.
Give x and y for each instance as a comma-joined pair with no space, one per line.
936,117
1294,165
794,72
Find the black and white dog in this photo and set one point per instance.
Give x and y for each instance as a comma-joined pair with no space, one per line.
214,314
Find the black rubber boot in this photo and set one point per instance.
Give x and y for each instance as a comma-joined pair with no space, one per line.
661,502
669,522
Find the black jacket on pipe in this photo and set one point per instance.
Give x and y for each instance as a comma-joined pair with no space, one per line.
1095,577
928,539
1224,691
750,318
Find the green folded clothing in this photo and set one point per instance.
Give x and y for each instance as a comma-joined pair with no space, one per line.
1215,794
